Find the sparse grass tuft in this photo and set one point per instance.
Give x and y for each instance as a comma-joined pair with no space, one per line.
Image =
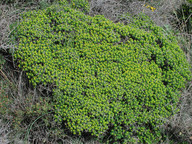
4,132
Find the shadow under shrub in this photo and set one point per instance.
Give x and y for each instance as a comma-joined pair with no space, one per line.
113,81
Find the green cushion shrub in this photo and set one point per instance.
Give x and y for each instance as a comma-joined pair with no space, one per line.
82,5
112,81
189,1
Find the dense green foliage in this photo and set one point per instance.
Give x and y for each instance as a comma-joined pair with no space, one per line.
114,79
190,1
82,5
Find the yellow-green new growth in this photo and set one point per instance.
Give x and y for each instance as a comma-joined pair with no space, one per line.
110,78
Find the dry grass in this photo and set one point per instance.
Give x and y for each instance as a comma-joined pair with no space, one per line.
179,126
4,132
8,15
111,9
